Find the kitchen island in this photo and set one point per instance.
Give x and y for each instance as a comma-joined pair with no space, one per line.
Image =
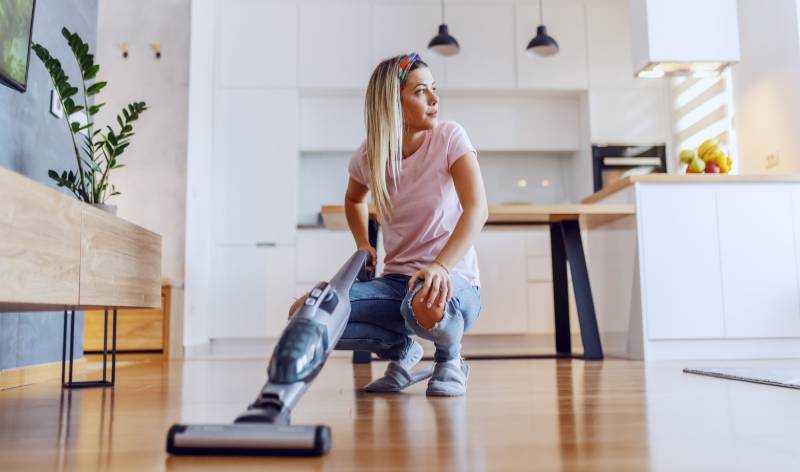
707,267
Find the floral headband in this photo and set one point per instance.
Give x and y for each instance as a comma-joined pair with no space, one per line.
405,65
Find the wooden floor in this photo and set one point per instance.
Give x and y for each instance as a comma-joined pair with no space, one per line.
518,415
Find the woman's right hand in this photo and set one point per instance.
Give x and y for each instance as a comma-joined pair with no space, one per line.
373,257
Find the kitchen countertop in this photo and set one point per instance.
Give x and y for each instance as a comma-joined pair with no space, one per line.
688,178
589,215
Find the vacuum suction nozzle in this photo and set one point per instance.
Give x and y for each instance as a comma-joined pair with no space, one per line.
248,439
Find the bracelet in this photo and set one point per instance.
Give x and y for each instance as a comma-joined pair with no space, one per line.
443,266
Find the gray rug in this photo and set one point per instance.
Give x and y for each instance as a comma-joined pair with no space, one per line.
780,377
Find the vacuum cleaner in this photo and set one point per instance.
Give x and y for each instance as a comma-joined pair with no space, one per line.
299,355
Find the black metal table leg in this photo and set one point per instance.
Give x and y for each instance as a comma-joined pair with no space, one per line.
113,351
558,261
590,335
70,383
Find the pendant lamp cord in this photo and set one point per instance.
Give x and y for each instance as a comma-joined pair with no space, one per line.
541,15
443,22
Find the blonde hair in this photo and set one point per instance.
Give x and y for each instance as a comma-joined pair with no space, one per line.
383,117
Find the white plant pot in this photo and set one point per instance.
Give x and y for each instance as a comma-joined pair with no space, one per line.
107,208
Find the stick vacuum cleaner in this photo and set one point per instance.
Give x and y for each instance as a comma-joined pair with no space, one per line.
298,357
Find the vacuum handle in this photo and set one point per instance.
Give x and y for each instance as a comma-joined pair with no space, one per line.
354,267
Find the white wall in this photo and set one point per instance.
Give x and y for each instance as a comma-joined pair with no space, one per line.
198,173
765,85
153,183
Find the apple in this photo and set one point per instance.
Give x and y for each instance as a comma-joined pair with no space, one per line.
712,168
696,166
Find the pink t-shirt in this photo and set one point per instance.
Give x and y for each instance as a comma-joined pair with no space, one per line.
425,207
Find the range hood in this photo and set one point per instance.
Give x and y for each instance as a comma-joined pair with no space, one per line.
683,37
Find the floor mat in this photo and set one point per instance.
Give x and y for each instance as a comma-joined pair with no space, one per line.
780,377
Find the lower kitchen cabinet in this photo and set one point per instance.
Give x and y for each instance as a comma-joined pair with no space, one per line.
252,290
503,265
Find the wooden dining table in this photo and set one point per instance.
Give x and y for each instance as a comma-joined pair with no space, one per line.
565,222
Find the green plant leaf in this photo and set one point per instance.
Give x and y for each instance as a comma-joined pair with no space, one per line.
96,88
94,109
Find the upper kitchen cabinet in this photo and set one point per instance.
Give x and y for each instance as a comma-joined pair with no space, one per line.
254,168
402,28
636,115
518,122
331,122
609,45
256,44
486,35
334,44
567,70
622,108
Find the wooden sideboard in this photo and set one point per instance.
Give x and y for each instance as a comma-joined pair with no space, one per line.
57,253
139,330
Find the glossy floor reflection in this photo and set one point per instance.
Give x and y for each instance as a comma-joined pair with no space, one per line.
518,415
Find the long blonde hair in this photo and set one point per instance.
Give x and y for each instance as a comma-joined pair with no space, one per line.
383,117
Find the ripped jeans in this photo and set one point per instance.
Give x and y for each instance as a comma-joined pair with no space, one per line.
381,318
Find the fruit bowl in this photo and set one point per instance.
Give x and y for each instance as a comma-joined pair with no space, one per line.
708,158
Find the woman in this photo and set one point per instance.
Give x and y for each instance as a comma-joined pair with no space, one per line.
429,198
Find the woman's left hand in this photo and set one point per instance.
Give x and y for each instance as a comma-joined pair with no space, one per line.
437,288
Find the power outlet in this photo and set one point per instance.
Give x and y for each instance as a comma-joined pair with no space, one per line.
772,159
55,105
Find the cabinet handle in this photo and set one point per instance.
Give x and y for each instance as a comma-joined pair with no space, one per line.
265,244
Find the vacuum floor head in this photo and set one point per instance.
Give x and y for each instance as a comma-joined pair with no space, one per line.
248,439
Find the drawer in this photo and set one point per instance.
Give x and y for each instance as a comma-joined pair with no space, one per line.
40,244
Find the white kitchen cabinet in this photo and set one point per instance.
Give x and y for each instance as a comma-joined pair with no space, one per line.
515,123
608,34
254,166
332,122
485,33
637,115
622,108
567,70
400,28
321,253
334,44
760,300
251,291
504,291
682,292
256,44
541,319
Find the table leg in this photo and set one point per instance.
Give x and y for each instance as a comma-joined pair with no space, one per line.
592,347
558,260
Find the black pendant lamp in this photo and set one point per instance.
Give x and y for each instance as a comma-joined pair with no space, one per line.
542,45
443,43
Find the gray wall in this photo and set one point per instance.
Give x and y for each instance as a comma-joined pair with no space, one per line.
32,141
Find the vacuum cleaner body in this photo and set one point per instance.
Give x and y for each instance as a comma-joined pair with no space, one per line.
301,351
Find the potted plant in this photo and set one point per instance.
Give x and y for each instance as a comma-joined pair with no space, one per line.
96,150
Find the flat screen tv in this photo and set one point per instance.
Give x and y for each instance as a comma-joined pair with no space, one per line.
16,25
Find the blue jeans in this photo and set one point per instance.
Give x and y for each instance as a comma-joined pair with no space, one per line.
381,318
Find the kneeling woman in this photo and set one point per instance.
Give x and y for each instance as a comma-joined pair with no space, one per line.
428,193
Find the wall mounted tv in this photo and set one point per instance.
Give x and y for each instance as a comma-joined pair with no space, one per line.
16,25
